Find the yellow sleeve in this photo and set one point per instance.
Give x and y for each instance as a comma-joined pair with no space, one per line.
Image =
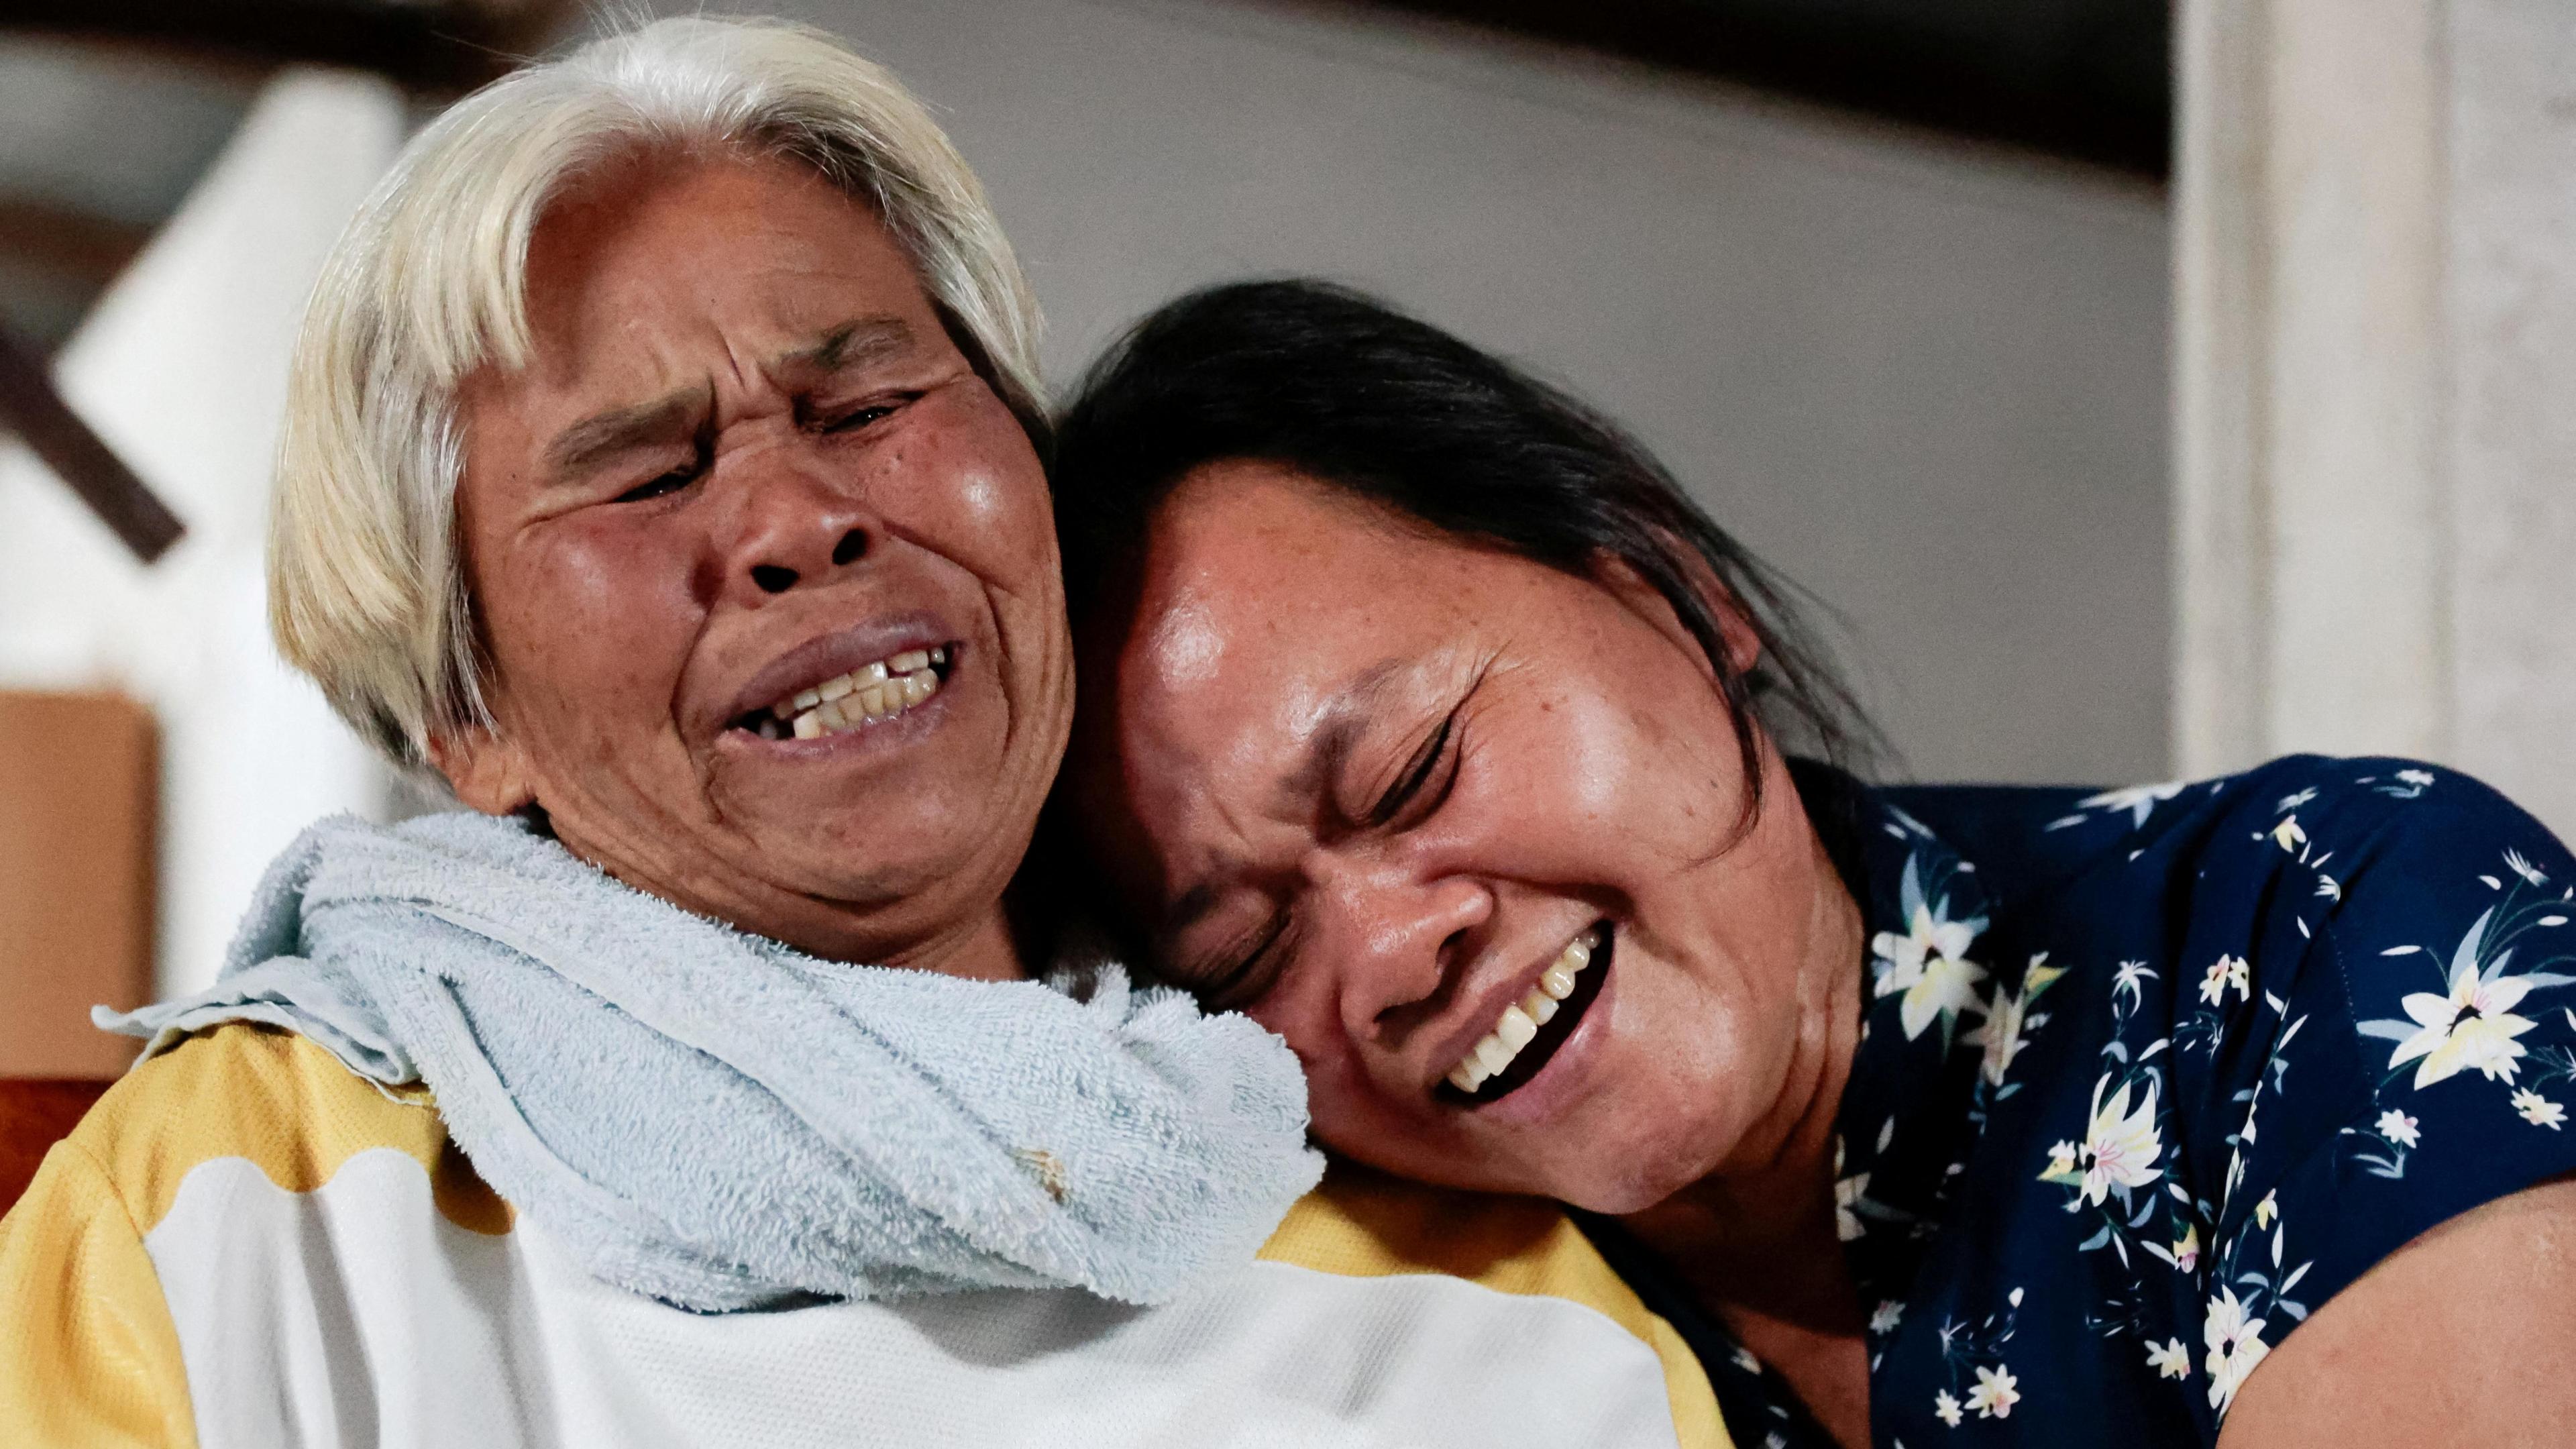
88,1354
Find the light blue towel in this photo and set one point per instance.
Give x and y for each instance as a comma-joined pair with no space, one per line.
722,1122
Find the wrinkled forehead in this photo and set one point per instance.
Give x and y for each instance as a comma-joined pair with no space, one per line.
751,253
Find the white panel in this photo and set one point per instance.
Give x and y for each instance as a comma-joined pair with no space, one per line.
2512,332
356,1314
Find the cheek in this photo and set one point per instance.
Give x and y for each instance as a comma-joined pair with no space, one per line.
986,503
1590,790
598,614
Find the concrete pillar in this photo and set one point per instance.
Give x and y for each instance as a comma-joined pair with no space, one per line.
2375,386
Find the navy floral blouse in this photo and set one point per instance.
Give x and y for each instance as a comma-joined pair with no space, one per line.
2147,1075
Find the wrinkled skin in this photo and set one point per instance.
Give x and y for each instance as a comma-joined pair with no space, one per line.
1290,655
743,432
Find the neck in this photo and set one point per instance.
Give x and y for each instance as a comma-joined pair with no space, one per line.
994,946
1754,1241
1759,1231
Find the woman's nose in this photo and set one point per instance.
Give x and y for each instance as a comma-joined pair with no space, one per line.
787,527
1401,938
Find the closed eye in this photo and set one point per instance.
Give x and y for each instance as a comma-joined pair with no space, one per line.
671,482
1247,977
1427,764
859,418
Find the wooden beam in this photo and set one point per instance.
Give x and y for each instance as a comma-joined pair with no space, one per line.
31,408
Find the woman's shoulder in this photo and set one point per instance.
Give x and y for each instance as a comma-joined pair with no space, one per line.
277,1101
2320,815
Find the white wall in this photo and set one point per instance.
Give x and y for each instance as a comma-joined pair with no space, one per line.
1928,382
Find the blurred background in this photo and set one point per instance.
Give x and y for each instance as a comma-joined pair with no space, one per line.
2150,388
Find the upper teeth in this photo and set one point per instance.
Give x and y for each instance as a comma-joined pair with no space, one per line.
865,695
1520,1021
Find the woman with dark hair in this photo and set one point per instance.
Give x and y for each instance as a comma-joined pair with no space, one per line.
1424,718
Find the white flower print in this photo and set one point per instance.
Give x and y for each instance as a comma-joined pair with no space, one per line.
2186,1253
2169,1359
2001,1031
2061,1161
1945,1407
1848,1192
2397,1127
2288,834
2268,1209
1995,1394
1928,937
1928,965
2131,978
2120,1146
2472,1027
2293,802
2139,800
2225,972
1948,984
1883,1319
2538,1110
2235,1347
2417,778
2514,862
1745,1360
1847,1195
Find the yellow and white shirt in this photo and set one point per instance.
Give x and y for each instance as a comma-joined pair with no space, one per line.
246,1244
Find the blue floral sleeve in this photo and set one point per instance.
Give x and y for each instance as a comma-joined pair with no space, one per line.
2396,1046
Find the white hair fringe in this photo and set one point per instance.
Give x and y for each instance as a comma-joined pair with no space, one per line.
367,589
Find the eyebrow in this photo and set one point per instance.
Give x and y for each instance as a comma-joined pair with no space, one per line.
595,439
604,435
852,344
1324,757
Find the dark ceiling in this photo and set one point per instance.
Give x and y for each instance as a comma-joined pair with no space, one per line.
2085,80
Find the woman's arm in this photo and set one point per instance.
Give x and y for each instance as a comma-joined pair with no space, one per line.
88,1356
2466,1335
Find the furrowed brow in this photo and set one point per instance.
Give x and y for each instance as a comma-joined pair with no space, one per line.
851,345
1344,718
1304,786
594,440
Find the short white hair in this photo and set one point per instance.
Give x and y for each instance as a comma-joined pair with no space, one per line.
367,592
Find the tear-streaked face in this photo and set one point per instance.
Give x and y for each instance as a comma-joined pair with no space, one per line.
765,571
1468,831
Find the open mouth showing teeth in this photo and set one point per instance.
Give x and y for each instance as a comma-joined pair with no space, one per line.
1530,1030
871,694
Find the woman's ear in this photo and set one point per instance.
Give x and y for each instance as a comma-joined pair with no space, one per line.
487,772
1735,629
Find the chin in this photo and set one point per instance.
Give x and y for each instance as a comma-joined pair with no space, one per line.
1627,1172
1617,1193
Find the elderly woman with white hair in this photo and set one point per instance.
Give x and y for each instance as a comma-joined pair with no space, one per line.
663,471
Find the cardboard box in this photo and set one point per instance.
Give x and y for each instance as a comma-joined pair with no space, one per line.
78,780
